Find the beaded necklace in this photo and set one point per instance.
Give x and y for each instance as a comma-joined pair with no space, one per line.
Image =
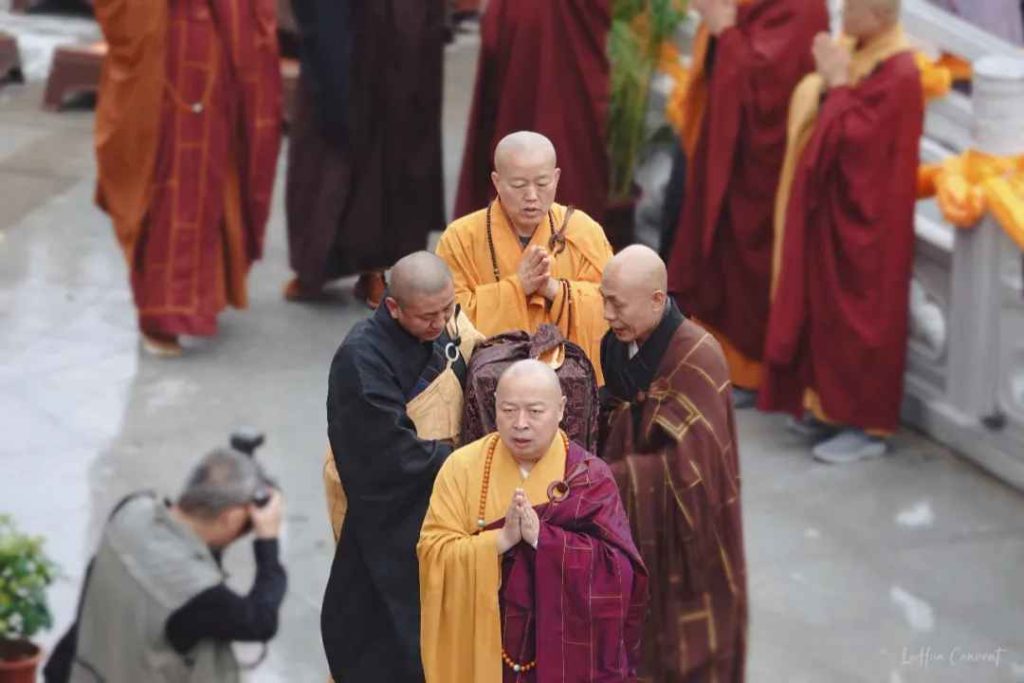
556,492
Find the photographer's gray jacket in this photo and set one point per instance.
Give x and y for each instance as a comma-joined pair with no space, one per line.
148,566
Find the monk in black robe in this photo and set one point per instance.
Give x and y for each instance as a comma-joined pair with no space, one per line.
370,620
365,178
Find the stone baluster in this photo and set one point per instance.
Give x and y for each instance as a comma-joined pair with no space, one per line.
974,373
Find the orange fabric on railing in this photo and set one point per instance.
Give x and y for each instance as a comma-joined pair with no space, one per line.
975,183
936,77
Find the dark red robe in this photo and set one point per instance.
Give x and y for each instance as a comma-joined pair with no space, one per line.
840,315
188,127
720,266
365,177
576,605
543,67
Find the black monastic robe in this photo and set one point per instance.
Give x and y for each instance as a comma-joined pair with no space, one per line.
370,619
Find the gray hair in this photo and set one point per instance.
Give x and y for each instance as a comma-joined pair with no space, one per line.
223,479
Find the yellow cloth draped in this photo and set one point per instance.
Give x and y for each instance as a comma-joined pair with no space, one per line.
499,307
969,185
803,114
460,572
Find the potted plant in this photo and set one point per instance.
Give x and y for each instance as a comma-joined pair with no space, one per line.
25,573
640,31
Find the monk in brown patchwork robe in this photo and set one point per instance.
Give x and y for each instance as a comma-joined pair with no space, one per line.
188,127
670,438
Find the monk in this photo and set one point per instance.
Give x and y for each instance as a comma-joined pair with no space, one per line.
845,237
393,409
748,57
670,439
364,160
524,260
188,126
527,568
543,66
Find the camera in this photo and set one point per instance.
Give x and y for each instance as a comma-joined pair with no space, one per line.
246,440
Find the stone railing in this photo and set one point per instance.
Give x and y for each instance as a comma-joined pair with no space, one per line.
965,373
965,377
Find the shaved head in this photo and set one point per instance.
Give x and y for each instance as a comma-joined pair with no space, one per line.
634,287
529,405
421,295
639,267
537,373
420,273
864,19
524,143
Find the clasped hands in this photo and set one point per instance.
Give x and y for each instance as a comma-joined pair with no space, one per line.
534,273
832,60
521,524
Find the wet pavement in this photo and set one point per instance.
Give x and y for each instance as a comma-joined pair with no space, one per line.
901,570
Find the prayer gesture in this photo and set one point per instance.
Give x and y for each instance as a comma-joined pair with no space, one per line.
529,522
510,534
832,60
534,270
717,15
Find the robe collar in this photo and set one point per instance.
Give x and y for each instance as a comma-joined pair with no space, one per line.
630,378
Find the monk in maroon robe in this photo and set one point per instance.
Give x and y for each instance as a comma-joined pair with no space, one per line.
542,67
838,332
528,572
669,436
747,60
188,127
365,180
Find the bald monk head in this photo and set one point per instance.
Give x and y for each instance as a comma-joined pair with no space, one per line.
421,296
529,406
526,178
865,19
634,288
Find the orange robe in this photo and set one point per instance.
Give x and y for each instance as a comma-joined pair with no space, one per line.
498,304
188,128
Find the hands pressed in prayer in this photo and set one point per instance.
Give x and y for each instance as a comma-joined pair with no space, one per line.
529,522
510,534
534,270
832,60
718,15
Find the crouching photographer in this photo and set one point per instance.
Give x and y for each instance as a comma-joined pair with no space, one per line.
154,605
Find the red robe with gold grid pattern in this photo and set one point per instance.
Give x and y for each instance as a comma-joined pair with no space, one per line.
188,127
672,449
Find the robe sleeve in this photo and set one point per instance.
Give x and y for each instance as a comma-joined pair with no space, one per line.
375,445
494,307
327,34
586,325
459,582
591,568
851,123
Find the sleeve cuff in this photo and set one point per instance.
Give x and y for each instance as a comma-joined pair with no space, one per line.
265,550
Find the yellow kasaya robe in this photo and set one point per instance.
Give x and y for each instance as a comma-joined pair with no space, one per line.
498,305
460,573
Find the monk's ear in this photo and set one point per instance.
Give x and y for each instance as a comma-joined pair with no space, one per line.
658,300
494,179
555,176
392,305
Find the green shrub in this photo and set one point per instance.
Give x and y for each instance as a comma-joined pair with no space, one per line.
25,574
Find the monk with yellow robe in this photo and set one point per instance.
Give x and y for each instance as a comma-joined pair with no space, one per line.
524,260
516,593
188,126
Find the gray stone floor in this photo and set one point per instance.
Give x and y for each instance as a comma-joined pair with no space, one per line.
896,570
